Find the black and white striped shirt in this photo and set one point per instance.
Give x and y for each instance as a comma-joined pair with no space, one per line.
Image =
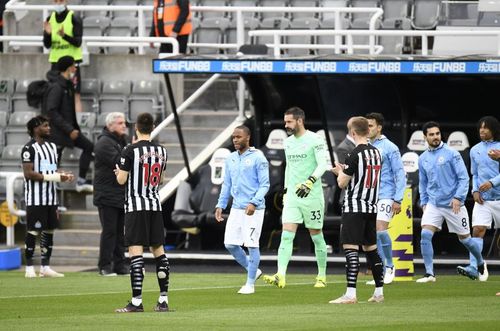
44,159
145,163
364,164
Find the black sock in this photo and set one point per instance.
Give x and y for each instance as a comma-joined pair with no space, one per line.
375,263
30,241
352,266
136,275
162,273
46,242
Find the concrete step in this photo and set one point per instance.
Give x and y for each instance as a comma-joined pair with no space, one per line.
77,237
74,255
80,219
192,118
192,135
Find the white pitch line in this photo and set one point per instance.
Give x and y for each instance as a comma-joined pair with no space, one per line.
170,290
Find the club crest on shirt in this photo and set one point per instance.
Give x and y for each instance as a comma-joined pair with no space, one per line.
440,160
122,160
248,162
26,156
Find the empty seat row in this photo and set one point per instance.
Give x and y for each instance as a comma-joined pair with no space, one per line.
124,96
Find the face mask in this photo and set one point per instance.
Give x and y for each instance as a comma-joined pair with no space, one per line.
72,76
59,8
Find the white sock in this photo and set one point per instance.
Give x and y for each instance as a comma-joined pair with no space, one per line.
378,291
136,301
162,299
350,292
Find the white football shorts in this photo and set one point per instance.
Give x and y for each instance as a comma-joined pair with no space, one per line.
242,229
384,210
457,223
483,215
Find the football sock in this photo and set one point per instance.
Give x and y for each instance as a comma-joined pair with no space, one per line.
375,263
162,273
30,241
427,250
285,251
46,242
474,249
351,269
253,264
384,245
239,255
320,251
136,276
479,241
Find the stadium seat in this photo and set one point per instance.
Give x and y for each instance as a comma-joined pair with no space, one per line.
211,31
95,26
114,96
362,20
459,14
273,3
212,3
122,27
86,121
128,13
243,3
89,91
417,142
19,101
4,116
278,23
425,14
70,159
146,97
101,13
16,133
11,156
301,23
397,14
304,3
249,23
6,91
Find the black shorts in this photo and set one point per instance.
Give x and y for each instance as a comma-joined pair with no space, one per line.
39,218
144,228
358,229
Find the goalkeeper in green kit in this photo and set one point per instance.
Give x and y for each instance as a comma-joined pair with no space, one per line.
303,201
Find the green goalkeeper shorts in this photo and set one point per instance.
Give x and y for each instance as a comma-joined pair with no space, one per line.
307,211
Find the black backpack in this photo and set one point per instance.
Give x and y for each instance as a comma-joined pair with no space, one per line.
36,92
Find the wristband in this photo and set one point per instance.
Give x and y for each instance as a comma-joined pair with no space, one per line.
55,177
312,179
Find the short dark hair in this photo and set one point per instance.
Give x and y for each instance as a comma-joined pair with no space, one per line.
244,128
34,123
360,125
296,112
429,125
145,123
378,117
491,123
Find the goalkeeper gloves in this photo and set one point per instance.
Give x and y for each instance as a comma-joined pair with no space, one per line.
304,189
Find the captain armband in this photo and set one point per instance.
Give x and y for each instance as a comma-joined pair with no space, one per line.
55,177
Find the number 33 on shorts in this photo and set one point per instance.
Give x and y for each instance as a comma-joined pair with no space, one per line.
316,215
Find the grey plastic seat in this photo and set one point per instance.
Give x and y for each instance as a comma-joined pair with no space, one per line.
243,3
249,23
211,3
95,26
90,89
426,14
101,13
304,3
4,116
128,13
277,23
146,97
11,155
362,20
16,132
397,14
274,3
19,101
121,27
302,23
211,31
6,91
114,96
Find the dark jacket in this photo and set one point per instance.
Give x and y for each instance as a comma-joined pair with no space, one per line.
344,148
59,107
107,150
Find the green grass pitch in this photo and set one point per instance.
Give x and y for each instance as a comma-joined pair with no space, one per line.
86,301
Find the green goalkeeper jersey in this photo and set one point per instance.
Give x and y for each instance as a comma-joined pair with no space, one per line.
305,156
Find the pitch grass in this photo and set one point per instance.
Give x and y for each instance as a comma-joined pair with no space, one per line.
86,301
